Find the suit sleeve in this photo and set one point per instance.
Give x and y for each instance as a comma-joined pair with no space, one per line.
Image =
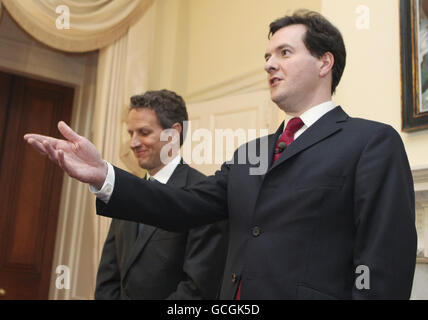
204,261
169,208
108,276
384,213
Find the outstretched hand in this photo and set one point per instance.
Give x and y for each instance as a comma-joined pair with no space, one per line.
77,156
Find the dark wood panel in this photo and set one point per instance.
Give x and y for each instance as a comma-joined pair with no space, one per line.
5,87
30,188
29,194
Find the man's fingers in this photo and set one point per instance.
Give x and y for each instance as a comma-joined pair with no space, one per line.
40,138
65,165
61,161
50,150
37,145
34,136
67,132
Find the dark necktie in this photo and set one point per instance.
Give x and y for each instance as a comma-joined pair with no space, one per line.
283,142
140,225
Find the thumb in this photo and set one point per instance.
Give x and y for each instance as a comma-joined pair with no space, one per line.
67,132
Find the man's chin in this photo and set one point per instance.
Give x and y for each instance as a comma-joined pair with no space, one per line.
144,164
277,99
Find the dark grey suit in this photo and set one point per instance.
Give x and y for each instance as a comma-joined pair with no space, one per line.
159,264
339,197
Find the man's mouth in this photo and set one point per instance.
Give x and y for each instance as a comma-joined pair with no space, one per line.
274,81
139,153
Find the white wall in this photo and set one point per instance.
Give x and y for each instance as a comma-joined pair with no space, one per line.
371,85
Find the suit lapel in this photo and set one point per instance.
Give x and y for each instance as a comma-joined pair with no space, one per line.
139,244
177,179
128,232
272,139
326,126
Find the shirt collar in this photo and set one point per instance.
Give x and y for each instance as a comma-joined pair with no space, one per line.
312,115
166,172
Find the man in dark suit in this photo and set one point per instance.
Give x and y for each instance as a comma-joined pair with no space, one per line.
333,215
145,262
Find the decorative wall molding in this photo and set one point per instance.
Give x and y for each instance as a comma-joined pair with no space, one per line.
420,179
19,58
74,245
247,82
22,55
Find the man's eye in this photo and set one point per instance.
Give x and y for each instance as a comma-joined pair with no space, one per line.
285,52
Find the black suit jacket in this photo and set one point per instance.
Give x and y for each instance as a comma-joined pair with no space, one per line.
158,264
339,197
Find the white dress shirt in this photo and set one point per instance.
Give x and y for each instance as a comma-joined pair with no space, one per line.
166,172
161,176
311,116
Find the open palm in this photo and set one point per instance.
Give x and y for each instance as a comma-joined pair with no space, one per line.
76,155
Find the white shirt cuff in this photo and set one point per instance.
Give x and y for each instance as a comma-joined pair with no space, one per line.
104,194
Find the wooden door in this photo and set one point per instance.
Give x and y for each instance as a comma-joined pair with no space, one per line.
30,186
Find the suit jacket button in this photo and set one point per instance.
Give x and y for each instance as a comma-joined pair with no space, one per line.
234,277
256,231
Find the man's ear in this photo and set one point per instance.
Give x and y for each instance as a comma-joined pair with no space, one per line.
177,126
326,63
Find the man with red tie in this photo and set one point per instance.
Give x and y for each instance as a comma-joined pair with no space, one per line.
332,217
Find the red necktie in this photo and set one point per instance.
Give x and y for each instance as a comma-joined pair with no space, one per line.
287,137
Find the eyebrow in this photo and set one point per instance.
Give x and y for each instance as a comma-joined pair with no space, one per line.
283,46
144,127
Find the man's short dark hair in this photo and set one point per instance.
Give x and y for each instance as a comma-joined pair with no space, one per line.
321,37
168,106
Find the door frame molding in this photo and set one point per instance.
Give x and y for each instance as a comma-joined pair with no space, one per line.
26,57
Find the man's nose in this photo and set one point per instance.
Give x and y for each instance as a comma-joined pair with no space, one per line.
271,65
135,142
